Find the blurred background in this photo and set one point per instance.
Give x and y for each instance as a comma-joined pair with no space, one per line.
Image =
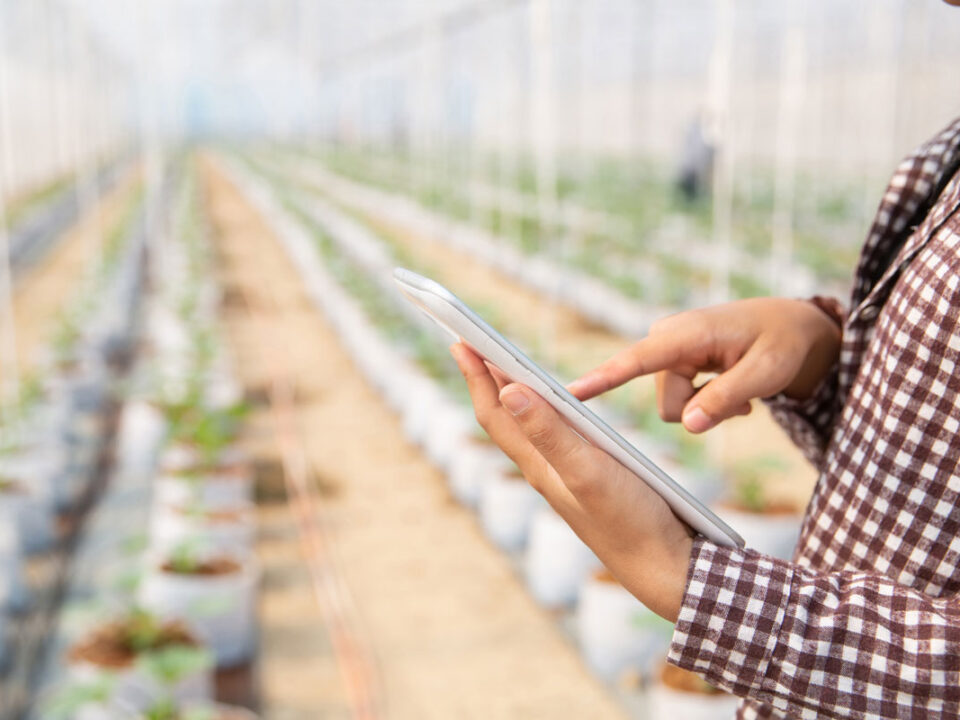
239,476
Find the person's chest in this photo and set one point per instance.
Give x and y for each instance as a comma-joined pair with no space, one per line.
889,497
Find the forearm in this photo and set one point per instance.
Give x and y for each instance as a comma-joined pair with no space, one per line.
817,645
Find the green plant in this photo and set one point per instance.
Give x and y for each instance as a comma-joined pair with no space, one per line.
170,666
209,430
143,630
173,664
184,558
66,703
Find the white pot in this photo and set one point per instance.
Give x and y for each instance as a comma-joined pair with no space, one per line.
471,467
665,703
447,428
773,534
417,415
616,631
170,527
507,506
139,434
227,489
556,561
399,387
221,608
135,689
180,457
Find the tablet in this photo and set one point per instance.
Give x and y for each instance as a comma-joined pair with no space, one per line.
463,324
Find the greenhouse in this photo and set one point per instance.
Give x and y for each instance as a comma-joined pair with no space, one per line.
243,476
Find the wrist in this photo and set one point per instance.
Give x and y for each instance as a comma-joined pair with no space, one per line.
658,578
824,319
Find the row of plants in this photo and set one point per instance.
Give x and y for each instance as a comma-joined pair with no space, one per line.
618,636
54,433
36,219
165,586
625,210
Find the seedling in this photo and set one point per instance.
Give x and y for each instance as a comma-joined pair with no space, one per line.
69,701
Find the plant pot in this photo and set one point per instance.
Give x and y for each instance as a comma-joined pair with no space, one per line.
671,700
471,467
616,631
99,653
181,457
774,533
225,489
507,506
556,560
447,427
139,435
221,607
417,416
212,532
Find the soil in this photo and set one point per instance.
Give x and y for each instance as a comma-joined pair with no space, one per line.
453,631
108,646
684,681
215,566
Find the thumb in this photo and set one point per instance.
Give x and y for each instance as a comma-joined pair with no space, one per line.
559,445
759,373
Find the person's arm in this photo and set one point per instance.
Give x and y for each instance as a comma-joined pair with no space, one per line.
816,645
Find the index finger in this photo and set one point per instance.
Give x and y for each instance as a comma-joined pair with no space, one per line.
662,351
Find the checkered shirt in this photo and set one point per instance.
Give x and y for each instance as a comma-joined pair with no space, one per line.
865,621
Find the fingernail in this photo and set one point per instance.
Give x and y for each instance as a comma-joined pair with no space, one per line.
696,420
515,401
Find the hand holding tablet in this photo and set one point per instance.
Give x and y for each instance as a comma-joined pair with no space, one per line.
466,326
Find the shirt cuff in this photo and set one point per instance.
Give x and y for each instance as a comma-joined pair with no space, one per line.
730,620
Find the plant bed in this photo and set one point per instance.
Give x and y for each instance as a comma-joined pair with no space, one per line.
682,694
216,593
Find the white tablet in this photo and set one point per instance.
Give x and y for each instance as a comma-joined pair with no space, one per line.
453,315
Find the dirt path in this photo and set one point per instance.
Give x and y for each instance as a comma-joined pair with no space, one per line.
455,633
46,288
578,345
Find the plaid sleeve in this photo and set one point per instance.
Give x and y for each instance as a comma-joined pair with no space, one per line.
811,645
809,422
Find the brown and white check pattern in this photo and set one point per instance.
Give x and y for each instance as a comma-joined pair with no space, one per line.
865,622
